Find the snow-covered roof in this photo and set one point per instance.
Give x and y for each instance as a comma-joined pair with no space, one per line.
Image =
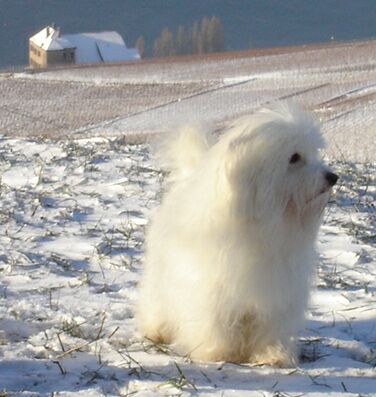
89,47
50,40
101,46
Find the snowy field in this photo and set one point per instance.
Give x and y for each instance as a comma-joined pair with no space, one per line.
73,214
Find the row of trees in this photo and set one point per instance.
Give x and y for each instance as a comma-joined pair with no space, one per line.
204,36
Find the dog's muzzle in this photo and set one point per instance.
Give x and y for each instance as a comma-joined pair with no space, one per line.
331,178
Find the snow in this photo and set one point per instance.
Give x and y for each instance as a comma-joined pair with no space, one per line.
48,39
70,258
100,47
73,213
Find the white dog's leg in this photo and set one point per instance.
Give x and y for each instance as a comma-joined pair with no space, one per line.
151,315
154,328
272,345
209,341
276,355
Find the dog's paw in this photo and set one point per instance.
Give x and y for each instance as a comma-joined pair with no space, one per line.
275,356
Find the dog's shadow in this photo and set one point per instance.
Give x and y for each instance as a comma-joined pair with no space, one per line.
338,341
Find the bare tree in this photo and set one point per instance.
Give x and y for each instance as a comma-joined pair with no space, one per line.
216,35
197,41
140,45
181,41
164,44
205,36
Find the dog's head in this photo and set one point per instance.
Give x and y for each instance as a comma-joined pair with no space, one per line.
273,165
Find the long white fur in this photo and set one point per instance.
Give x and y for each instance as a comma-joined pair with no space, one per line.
230,251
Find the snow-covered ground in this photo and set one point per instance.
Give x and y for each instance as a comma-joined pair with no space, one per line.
72,226
73,214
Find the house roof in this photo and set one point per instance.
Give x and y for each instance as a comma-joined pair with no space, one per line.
89,47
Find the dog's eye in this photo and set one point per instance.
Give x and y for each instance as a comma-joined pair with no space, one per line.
295,158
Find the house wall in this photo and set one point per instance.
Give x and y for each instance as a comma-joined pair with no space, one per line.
61,57
39,58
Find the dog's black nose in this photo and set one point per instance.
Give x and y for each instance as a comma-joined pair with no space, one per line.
331,178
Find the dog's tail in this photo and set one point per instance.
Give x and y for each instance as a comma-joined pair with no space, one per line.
181,151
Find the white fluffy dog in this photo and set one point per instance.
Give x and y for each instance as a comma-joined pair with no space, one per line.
230,252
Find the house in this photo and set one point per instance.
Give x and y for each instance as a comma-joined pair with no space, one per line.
50,48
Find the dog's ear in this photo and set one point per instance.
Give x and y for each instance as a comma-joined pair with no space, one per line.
242,168
253,179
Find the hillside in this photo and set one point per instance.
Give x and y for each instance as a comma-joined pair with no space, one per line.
335,81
